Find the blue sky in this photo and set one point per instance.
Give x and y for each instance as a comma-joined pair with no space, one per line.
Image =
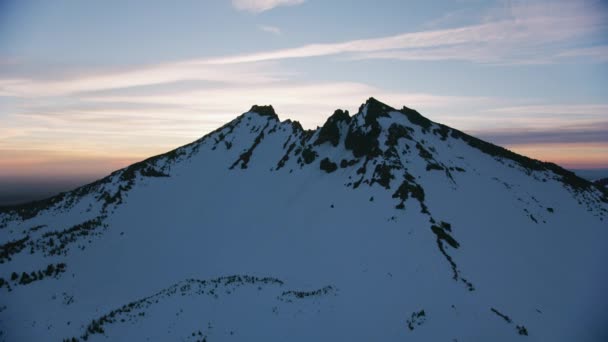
87,87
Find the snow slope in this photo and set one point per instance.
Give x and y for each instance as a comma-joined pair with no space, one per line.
382,226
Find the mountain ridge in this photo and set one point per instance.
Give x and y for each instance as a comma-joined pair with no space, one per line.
383,218
568,177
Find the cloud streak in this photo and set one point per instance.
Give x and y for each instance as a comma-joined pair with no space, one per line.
567,135
258,6
563,109
194,70
308,102
524,34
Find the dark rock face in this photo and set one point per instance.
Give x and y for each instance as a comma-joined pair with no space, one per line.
416,118
309,155
264,111
363,141
328,166
330,130
601,183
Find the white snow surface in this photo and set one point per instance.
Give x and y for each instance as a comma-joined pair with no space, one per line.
193,246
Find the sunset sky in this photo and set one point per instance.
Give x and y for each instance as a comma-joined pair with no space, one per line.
87,87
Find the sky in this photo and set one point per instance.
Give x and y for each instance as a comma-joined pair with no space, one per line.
89,87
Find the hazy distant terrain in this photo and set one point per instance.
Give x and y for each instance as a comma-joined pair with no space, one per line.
16,191
593,174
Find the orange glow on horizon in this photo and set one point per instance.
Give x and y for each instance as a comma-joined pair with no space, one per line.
567,155
60,164
45,164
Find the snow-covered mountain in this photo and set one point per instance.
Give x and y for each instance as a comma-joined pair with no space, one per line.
382,226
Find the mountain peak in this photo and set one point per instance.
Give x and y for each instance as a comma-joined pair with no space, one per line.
373,101
267,110
375,108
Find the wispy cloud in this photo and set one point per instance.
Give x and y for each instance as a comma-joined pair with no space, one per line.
554,109
192,70
520,33
584,134
270,29
310,102
599,53
258,6
495,119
